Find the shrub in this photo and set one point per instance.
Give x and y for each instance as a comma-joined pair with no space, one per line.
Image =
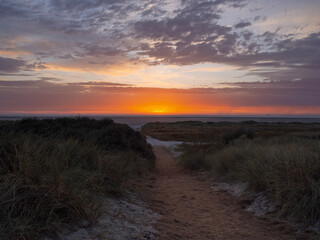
53,172
227,138
287,169
194,155
44,184
194,161
110,136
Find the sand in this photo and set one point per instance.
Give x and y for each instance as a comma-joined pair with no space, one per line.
190,209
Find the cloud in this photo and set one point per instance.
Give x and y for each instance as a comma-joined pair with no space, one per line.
150,31
191,36
99,84
66,37
300,96
21,84
48,82
303,87
260,18
94,50
184,27
102,35
242,24
289,59
11,65
75,5
231,3
8,10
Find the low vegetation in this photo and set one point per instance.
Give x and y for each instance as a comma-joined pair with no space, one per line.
55,171
287,169
280,159
196,131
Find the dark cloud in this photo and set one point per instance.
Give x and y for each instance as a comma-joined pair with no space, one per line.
299,92
183,54
195,21
247,35
260,18
297,54
192,35
102,32
36,66
242,24
21,84
307,86
75,29
290,58
15,74
50,79
94,50
9,9
11,65
54,85
154,12
231,3
255,9
185,26
75,5
99,84
269,37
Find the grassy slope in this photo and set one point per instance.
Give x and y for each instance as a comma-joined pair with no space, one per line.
281,159
287,169
53,172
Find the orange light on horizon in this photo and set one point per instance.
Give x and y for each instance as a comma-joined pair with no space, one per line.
147,101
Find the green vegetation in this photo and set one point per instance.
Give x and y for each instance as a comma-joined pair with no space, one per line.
281,159
195,131
54,171
285,168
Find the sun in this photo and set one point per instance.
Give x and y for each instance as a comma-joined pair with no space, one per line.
156,108
159,110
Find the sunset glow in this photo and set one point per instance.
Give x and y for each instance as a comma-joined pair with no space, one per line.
160,57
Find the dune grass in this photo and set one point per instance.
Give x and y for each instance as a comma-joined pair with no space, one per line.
287,169
54,171
196,131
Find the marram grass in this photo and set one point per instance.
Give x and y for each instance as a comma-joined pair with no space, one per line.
51,174
287,169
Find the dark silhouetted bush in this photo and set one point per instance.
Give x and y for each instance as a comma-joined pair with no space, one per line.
227,138
54,171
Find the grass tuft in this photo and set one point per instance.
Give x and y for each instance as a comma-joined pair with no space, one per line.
53,172
287,169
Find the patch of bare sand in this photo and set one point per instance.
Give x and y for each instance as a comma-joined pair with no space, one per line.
124,218
191,211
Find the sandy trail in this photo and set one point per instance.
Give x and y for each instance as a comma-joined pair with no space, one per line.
191,210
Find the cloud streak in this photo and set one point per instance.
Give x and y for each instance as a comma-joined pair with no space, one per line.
11,65
44,95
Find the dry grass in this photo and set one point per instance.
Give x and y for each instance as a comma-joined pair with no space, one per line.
287,169
281,159
53,172
193,131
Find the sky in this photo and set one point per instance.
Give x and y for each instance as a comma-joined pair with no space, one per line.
160,57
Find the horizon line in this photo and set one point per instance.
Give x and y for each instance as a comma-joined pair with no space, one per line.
11,115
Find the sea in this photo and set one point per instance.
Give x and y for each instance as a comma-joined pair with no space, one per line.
136,121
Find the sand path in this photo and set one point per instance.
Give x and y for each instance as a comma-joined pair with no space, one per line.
191,210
